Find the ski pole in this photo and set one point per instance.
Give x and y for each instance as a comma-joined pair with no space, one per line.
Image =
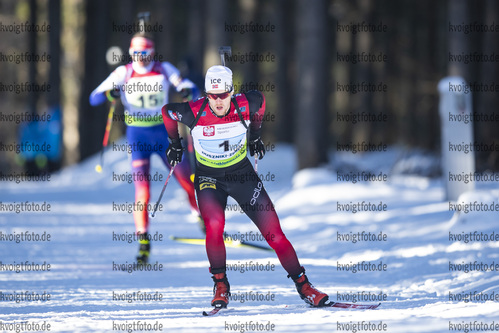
256,163
98,167
192,156
162,191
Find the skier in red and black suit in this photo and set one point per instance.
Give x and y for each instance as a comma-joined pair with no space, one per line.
219,124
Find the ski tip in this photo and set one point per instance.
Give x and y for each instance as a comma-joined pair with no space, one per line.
352,306
215,310
374,306
98,168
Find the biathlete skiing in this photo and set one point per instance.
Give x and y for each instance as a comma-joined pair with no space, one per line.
220,124
143,87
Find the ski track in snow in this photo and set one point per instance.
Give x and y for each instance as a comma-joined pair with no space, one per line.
418,282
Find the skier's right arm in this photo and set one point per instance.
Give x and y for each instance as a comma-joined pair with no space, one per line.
173,113
107,89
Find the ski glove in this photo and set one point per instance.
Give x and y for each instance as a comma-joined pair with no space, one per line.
187,94
112,94
257,147
174,151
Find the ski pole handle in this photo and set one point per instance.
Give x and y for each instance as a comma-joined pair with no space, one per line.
162,191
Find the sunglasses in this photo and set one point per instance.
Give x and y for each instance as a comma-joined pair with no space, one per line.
143,53
221,96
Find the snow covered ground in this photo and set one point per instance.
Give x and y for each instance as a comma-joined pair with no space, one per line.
421,259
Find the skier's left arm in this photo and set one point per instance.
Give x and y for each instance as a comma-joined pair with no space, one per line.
256,102
185,87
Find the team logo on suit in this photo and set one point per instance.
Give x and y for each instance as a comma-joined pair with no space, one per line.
209,131
207,182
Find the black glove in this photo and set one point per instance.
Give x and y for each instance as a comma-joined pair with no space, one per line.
112,94
186,94
174,151
256,146
115,93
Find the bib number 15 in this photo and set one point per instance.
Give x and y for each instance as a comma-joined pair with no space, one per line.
146,101
149,102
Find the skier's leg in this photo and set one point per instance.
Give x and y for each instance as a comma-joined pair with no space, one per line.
256,203
263,214
212,200
140,171
249,192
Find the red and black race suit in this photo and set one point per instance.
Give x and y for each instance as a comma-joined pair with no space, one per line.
223,170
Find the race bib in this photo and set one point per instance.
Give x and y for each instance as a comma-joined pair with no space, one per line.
220,145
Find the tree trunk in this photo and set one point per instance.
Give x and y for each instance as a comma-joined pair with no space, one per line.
92,121
283,42
342,71
486,132
195,38
54,97
247,43
72,71
164,15
363,100
458,42
32,45
216,16
311,104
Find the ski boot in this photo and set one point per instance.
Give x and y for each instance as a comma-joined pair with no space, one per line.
307,291
144,249
221,289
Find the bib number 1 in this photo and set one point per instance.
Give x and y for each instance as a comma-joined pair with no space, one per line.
225,145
